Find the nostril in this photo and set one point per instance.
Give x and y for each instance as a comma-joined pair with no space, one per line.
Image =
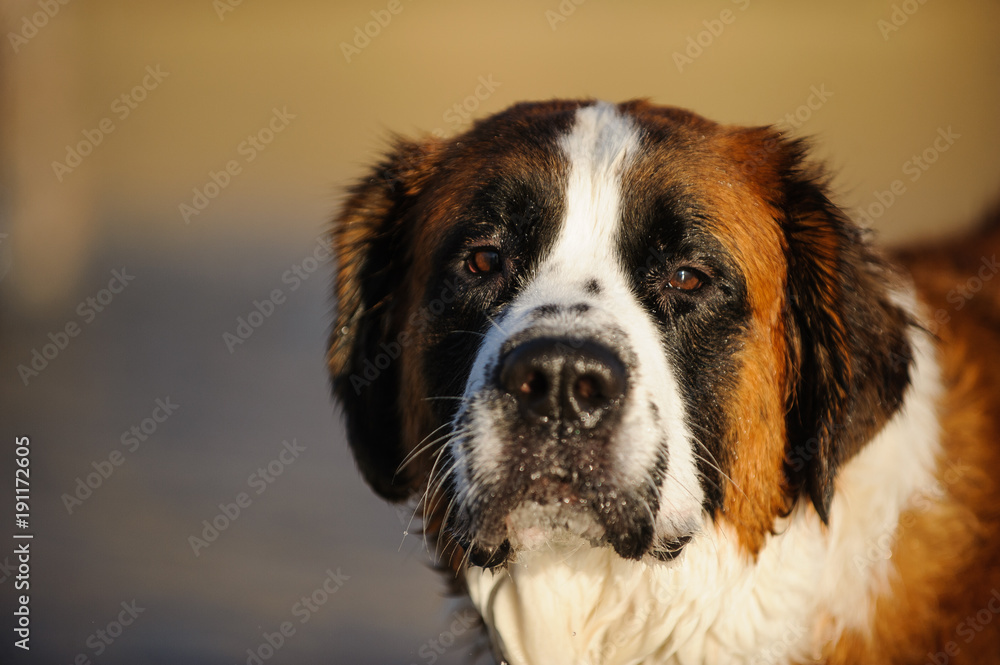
535,396
535,384
595,383
587,388
529,375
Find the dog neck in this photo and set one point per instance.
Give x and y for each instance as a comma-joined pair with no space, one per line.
573,603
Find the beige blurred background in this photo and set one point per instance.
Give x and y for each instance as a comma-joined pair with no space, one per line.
875,83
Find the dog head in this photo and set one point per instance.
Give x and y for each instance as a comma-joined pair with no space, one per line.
612,322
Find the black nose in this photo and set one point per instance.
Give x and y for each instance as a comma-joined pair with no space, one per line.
574,381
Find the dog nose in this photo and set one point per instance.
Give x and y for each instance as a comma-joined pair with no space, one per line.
575,381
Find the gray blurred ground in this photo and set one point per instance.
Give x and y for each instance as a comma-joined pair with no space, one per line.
887,95
129,540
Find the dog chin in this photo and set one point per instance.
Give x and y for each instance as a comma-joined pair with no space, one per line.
566,526
533,526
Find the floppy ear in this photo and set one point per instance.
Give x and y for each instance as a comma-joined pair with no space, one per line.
371,246
851,352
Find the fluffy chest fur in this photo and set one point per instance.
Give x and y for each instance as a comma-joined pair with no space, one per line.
572,603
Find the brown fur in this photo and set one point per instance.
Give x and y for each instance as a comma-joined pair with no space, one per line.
826,354
756,407
947,550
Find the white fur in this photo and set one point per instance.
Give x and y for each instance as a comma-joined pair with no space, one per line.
598,150
564,601
585,606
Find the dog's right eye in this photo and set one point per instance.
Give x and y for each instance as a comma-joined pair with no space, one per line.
687,279
483,261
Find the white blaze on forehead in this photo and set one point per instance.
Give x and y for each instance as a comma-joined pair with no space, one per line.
598,149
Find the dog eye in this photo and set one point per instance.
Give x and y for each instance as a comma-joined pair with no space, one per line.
483,261
687,279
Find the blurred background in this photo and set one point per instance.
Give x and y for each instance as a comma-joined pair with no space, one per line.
167,172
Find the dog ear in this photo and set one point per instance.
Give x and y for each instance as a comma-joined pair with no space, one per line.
371,245
850,348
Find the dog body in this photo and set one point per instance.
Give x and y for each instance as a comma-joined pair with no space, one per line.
661,402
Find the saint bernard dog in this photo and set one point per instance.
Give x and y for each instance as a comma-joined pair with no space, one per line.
656,399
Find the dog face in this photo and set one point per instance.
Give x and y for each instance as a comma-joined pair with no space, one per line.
613,323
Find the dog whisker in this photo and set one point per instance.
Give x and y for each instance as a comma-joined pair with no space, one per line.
413,455
469,332
649,295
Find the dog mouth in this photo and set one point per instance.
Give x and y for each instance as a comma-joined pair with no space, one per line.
532,526
547,453
554,491
562,526
556,512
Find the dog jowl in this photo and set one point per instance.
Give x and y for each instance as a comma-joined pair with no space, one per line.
625,341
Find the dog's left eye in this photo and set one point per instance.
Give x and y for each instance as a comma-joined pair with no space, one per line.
687,279
483,261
